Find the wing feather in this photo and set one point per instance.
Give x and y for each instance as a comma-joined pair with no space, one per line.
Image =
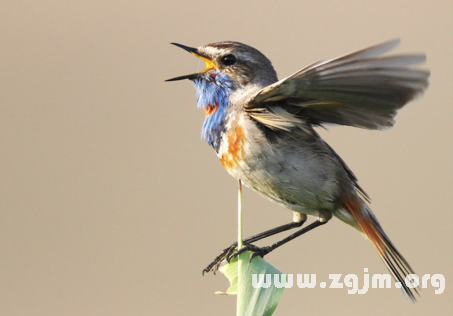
362,89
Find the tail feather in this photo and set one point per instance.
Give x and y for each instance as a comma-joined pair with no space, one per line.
392,258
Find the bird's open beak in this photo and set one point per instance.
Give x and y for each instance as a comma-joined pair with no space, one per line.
209,63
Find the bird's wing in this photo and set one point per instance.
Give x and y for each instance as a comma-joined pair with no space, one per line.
362,89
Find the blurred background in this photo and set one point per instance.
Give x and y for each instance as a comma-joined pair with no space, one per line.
110,204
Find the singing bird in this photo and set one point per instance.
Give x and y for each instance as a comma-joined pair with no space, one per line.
262,130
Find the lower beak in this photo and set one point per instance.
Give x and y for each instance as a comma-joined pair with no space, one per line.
194,51
190,77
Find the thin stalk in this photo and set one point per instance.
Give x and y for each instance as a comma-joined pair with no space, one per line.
239,214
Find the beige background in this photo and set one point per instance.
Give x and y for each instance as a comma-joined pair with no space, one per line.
110,204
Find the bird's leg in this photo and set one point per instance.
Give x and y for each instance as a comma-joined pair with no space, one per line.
298,220
323,218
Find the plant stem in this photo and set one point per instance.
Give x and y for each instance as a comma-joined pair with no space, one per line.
239,214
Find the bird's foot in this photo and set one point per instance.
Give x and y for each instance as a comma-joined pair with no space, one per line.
224,255
256,251
231,252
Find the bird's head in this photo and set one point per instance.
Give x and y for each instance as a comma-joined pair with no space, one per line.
242,64
233,72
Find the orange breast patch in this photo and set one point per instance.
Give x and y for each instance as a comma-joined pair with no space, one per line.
210,109
235,149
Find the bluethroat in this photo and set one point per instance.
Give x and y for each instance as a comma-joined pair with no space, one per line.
262,130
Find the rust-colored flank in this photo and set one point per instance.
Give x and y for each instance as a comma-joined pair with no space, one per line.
235,149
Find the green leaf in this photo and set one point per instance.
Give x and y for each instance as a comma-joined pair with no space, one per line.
252,301
231,272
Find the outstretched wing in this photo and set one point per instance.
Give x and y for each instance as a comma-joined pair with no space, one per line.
362,89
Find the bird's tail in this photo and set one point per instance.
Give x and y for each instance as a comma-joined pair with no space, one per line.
392,258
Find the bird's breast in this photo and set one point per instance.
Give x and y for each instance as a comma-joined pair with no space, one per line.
231,152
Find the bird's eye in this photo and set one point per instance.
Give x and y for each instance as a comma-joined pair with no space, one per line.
229,60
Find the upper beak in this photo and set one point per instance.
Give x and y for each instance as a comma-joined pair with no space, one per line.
194,51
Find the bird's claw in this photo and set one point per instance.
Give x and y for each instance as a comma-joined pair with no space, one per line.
256,251
224,255
232,252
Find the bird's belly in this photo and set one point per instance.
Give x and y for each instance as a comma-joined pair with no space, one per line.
298,189
298,180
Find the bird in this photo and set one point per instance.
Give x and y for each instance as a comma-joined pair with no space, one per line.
263,132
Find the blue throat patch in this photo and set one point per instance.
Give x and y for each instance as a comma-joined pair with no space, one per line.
213,89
